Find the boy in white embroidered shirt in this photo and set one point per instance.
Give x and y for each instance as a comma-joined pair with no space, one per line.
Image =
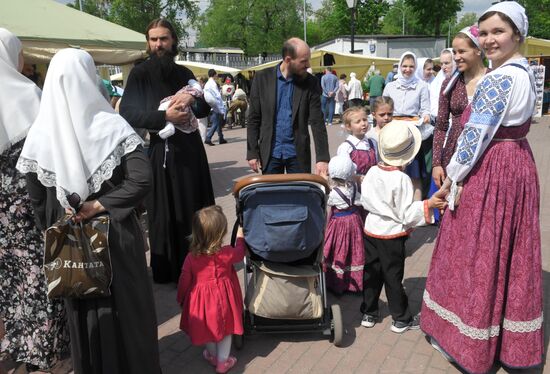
388,196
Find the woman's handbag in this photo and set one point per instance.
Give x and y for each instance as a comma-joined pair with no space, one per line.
77,262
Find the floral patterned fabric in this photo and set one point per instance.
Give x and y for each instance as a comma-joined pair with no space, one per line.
35,326
452,104
483,298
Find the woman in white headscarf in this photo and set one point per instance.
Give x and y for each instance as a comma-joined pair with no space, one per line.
425,71
79,145
355,91
33,332
457,92
411,99
483,300
448,65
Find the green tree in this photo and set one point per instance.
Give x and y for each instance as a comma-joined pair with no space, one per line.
137,14
253,25
467,19
398,14
538,12
314,32
334,17
435,14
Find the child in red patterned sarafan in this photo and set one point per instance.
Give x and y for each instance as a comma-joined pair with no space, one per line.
343,252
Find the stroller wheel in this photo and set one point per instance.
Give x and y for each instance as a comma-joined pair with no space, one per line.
336,325
238,341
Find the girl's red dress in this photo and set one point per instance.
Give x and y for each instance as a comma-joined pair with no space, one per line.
210,295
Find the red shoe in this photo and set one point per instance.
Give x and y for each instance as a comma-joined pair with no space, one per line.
224,367
208,357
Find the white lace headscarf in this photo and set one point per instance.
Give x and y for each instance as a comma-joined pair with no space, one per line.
19,96
77,140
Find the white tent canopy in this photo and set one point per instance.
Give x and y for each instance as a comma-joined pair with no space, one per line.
45,26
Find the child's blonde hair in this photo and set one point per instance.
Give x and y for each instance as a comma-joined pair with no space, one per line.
381,100
209,226
346,117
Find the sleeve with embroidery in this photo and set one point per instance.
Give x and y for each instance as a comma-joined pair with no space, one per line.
488,108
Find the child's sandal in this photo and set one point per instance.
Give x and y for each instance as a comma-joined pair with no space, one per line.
224,367
208,357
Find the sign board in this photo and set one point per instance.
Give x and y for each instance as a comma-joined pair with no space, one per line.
538,72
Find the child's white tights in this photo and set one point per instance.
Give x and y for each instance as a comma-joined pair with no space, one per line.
221,349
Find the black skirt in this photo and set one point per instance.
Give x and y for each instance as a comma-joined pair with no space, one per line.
181,186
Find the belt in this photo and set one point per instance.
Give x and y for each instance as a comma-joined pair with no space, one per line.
406,118
508,140
346,212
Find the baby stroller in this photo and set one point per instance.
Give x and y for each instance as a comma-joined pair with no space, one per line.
283,219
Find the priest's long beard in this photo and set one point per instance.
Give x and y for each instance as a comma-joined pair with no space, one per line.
164,63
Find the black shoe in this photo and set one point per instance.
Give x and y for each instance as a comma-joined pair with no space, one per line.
368,321
223,141
400,327
209,142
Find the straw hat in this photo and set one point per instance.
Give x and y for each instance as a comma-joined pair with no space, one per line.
399,141
341,167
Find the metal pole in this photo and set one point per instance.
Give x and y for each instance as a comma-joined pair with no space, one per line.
449,35
403,11
353,30
80,4
305,27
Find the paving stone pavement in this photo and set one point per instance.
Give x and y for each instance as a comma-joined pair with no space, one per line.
375,350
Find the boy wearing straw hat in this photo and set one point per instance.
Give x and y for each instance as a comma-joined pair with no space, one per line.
389,198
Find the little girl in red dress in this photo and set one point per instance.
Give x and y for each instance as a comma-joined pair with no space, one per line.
208,289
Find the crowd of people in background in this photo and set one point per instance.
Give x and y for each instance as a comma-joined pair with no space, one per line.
422,147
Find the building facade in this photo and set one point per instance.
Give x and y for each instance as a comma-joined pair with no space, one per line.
389,46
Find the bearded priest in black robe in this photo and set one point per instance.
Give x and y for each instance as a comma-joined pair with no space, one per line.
181,177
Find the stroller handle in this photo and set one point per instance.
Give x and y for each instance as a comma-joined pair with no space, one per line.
279,178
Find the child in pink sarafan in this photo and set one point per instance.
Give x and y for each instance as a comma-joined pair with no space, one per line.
209,291
344,255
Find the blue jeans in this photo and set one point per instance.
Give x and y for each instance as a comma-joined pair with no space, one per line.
278,166
327,106
216,120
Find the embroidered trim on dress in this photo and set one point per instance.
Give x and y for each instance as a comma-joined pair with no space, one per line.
103,172
348,269
464,329
523,326
387,167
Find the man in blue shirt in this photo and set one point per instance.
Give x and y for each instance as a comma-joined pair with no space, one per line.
329,84
392,74
284,105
